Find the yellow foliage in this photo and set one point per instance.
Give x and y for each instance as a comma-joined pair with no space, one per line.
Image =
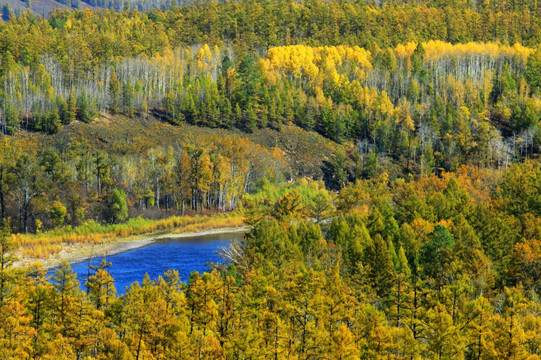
422,226
385,106
436,49
45,245
405,51
404,117
445,222
318,65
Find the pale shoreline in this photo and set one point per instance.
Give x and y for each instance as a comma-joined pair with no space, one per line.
88,251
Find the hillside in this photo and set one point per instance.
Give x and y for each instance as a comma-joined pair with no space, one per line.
152,168
429,105
39,7
305,151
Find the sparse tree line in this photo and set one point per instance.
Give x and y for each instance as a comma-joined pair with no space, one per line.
47,188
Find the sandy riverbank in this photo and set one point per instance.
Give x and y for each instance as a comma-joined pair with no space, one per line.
82,252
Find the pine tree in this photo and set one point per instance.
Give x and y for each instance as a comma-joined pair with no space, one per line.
533,70
436,255
114,90
100,285
381,272
53,122
86,111
71,113
67,291
401,295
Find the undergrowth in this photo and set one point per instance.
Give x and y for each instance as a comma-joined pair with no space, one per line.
46,244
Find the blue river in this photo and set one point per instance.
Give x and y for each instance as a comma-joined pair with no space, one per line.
187,254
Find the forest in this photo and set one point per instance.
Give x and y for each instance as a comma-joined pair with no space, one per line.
385,156
443,267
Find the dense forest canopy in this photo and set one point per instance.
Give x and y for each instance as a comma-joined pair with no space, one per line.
444,267
427,79
486,7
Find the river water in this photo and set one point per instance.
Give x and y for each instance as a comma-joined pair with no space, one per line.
187,254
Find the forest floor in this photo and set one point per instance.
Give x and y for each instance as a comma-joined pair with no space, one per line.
75,253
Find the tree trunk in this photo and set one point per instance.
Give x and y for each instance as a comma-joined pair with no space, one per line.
157,194
3,207
139,343
398,301
2,199
25,211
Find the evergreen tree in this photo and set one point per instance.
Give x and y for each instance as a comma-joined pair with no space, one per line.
380,267
117,206
533,70
85,108
71,114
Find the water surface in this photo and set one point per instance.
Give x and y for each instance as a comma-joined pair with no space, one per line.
186,255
